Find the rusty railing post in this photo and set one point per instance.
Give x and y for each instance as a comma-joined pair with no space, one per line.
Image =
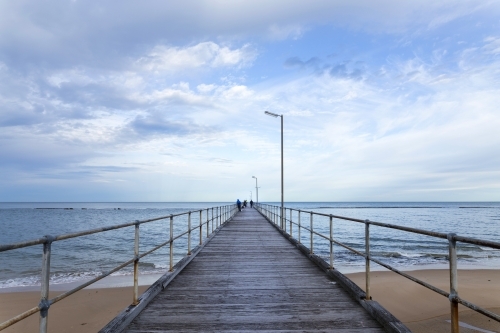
208,222
171,243
367,259
331,241
201,232
283,218
189,233
453,283
45,284
136,265
277,216
311,249
299,228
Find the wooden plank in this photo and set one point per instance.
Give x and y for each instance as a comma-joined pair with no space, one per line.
249,278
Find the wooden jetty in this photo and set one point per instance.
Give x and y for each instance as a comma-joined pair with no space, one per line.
248,278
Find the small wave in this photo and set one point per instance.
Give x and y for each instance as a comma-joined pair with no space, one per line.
57,278
62,278
381,207
387,254
146,264
476,207
488,249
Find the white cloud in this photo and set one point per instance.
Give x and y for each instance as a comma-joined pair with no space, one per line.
492,45
285,32
236,92
210,54
206,88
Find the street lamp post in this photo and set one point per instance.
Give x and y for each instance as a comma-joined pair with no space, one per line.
256,190
276,116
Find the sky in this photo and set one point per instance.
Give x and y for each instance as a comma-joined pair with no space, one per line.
125,100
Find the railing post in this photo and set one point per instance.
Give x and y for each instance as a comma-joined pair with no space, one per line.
331,241
189,233
136,265
291,222
283,218
311,249
45,283
367,259
453,283
201,232
212,219
208,223
171,243
299,227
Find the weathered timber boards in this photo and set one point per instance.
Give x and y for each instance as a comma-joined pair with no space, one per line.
249,278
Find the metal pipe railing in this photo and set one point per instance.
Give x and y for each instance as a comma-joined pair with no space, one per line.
222,214
270,212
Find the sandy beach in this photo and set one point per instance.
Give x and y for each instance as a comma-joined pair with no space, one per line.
86,311
420,309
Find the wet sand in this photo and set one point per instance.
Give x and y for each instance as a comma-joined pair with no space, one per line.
419,308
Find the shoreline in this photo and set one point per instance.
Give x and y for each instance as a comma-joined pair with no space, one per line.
109,282
117,281
417,307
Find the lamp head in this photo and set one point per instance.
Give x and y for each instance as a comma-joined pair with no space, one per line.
272,114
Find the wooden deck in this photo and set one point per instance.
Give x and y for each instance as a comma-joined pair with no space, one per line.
250,278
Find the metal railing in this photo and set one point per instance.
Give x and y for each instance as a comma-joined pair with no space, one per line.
272,213
216,219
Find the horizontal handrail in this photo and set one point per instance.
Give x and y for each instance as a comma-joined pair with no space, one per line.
222,215
272,213
462,239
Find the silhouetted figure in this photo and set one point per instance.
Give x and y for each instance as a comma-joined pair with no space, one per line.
238,203
251,203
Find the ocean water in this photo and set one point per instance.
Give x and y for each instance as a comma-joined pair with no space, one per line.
78,259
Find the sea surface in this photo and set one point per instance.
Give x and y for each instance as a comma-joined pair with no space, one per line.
79,259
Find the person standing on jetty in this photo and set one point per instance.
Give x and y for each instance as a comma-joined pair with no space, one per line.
238,203
251,203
